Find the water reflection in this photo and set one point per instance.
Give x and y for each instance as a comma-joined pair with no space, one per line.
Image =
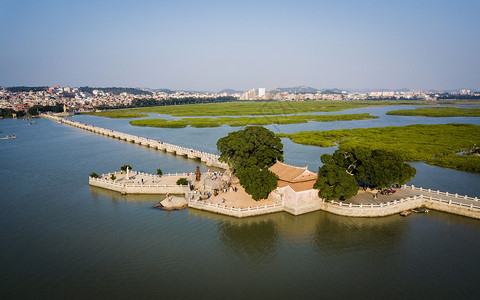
347,234
255,239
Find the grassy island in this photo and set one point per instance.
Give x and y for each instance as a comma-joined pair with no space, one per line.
433,144
244,121
118,114
437,112
250,108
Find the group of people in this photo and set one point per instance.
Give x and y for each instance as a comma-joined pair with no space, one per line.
388,191
214,175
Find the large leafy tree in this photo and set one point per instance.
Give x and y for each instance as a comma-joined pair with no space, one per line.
252,146
374,168
383,168
256,182
334,181
249,152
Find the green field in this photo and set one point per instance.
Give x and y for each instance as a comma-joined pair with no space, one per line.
437,112
434,144
243,121
118,114
246,108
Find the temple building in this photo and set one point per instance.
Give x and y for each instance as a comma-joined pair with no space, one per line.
295,187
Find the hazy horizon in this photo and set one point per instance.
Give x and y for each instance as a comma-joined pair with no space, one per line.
212,45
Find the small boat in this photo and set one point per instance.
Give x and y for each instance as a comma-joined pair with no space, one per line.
405,213
8,137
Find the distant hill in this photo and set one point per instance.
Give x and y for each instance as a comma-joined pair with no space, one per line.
331,91
194,91
296,90
115,90
21,89
230,91
168,91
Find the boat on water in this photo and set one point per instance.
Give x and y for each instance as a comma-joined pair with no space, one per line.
405,213
8,137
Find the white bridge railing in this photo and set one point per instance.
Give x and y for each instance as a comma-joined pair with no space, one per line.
178,149
440,193
104,178
474,204
232,208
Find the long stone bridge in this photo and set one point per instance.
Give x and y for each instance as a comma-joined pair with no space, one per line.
208,158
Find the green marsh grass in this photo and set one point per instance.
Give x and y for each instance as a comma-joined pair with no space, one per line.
244,108
437,112
118,114
244,121
434,144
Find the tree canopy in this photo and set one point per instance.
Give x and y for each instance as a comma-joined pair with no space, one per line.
125,167
249,152
256,182
342,172
334,182
252,146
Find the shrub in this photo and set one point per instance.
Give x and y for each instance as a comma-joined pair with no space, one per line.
182,181
124,168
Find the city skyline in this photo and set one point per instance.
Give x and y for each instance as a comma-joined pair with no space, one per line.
212,46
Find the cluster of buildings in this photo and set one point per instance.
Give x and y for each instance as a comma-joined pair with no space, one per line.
260,94
77,99
72,98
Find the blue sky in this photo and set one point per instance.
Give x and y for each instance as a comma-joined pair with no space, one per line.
211,45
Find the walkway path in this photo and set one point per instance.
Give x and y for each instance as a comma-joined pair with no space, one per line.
208,158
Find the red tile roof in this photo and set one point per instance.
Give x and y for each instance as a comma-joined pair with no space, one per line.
299,179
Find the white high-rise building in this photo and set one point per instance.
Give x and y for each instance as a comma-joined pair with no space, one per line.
261,92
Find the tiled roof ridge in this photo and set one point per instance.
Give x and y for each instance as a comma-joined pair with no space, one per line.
302,168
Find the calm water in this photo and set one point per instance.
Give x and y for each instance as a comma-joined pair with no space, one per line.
60,239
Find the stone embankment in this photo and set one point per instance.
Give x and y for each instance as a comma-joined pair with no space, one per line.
208,158
141,183
435,200
239,212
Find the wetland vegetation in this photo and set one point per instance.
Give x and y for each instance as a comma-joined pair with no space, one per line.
118,114
433,144
437,112
246,108
244,121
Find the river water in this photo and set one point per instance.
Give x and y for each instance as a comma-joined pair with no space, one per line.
61,239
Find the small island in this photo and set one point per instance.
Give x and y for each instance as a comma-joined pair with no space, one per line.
437,112
357,182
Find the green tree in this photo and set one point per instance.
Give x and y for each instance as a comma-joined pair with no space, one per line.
256,182
124,168
94,175
252,146
113,177
182,181
374,168
249,152
334,182
159,172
